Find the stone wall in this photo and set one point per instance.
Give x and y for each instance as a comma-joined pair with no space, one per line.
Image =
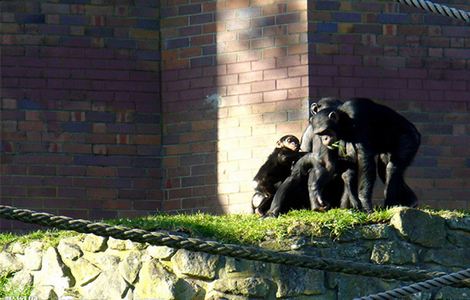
91,267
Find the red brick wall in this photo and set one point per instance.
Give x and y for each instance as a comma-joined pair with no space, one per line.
80,107
112,110
234,80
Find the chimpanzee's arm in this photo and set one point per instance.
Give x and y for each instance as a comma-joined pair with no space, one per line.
307,139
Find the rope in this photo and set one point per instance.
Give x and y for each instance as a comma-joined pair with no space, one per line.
439,9
420,286
160,238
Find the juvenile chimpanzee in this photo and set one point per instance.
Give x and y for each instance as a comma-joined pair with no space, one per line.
373,129
273,172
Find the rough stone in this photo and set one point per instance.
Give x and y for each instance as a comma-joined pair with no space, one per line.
9,264
117,244
246,286
108,285
155,280
460,223
52,273
83,271
196,264
161,252
246,267
105,260
459,238
32,259
393,252
69,251
44,292
352,286
293,281
419,227
355,251
129,267
452,293
22,279
375,232
457,257
16,248
216,295
94,243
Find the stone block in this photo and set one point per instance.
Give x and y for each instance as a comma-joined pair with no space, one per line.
292,281
246,286
419,227
161,252
9,264
52,273
460,224
196,264
94,243
394,252
155,280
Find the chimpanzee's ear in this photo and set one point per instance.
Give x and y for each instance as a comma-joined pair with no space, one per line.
333,116
279,144
314,108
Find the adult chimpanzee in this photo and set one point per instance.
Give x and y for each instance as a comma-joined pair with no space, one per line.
373,129
273,172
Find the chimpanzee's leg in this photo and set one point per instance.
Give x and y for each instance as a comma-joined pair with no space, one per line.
367,176
350,198
396,191
318,177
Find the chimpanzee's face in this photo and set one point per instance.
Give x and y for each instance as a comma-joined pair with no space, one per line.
325,124
290,142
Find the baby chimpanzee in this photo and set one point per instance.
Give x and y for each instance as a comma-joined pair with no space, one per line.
273,172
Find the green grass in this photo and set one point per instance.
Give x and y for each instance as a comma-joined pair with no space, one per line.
13,292
242,229
251,230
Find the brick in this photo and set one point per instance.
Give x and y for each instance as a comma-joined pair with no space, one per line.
263,86
288,83
250,77
201,18
275,95
287,18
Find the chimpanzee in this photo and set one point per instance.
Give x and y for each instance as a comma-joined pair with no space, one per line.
306,142
373,129
314,182
273,172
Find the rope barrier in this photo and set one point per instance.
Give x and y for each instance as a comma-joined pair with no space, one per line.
160,238
400,292
436,8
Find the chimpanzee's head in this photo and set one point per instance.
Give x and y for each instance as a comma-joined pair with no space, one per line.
326,126
323,103
290,142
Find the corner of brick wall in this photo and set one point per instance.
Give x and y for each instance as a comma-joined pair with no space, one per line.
235,79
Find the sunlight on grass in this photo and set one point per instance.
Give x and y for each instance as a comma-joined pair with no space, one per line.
243,229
